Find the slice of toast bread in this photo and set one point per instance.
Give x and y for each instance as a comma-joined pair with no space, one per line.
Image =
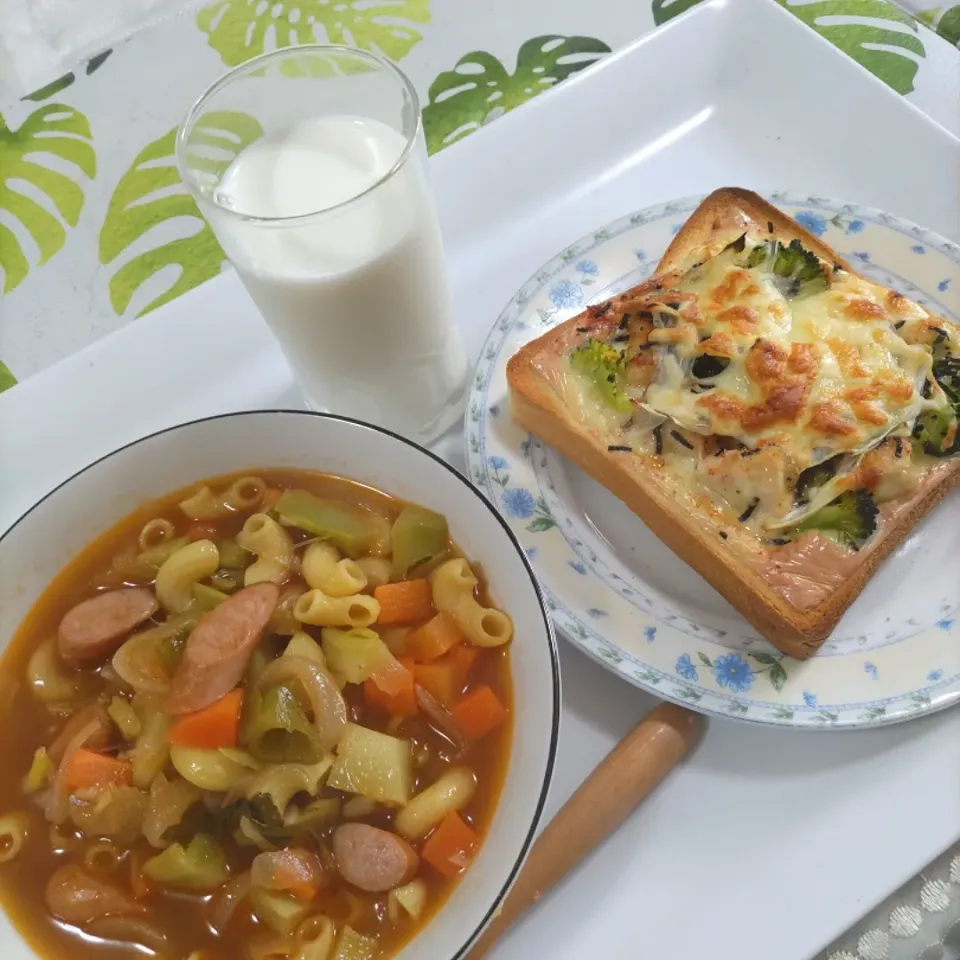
538,406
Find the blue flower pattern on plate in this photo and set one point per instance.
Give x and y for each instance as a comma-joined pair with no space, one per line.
518,503
811,221
566,293
685,667
732,671
917,248
564,283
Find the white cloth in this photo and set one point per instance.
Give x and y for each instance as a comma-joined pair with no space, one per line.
41,40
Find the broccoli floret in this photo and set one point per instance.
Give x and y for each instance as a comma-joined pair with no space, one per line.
604,366
813,478
798,273
761,253
931,431
936,430
947,373
850,519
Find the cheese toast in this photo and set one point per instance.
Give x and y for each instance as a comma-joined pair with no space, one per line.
778,420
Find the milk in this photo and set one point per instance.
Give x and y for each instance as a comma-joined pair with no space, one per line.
357,295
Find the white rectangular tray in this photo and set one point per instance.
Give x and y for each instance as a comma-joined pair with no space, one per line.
768,844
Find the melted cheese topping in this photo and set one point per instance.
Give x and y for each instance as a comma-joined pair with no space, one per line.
738,387
820,375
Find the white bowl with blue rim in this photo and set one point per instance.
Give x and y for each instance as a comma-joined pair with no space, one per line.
627,601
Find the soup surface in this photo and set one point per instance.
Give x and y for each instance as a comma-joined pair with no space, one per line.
268,716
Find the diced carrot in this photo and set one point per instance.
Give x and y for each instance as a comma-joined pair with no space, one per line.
464,657
298,886
440,679
403,703
302,890
434,638
212,727
446,676
87,768
408,601
450,847
479,712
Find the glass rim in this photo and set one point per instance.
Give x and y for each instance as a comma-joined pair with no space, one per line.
193,113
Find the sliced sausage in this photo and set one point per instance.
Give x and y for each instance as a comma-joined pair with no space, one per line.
73,896
100,739
218,650
372,859
94,629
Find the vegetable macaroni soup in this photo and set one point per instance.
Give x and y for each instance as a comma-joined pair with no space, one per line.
267,717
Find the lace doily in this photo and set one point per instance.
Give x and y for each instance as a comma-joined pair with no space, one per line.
921,921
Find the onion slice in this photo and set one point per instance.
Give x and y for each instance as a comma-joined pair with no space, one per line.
329,707
58,809
440,717
228,900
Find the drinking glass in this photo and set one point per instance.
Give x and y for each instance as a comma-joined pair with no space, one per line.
309,164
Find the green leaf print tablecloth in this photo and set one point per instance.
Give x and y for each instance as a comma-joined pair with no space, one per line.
97,230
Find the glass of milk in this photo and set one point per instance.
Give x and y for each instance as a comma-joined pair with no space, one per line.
309,165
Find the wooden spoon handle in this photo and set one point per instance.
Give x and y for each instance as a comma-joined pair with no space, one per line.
602,802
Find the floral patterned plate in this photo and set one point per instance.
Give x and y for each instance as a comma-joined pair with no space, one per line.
630,603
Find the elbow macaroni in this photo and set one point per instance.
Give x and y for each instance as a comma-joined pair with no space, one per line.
324,570
320,610
265,537
102,858
315,937
207,769
242,494
202,505
13,833
189,565
46,678
453,584
451,792
155,533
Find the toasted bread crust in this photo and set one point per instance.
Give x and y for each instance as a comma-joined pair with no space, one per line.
537,407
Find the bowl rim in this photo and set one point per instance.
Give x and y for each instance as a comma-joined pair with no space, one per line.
556,689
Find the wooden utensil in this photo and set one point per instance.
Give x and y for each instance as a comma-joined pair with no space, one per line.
601,803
